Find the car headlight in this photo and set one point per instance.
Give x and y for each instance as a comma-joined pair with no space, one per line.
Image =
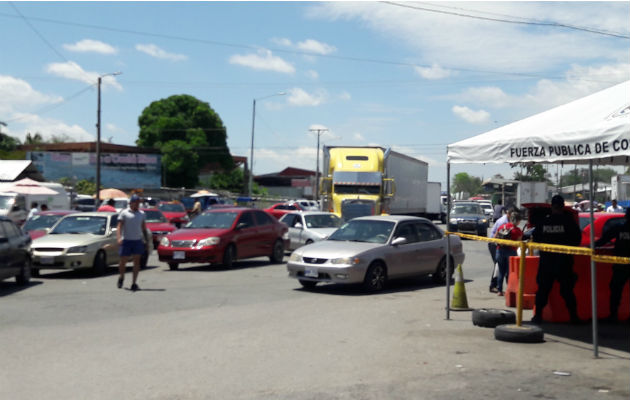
77,249
165,242
210,241
452,220
483,221
295,257
346,260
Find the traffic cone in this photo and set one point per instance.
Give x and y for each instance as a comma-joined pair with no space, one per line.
460,302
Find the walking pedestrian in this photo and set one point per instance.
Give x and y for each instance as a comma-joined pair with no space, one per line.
558,227
132,239
492,247
621,272
508,231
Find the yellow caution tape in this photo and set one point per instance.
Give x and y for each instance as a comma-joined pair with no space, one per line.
551,248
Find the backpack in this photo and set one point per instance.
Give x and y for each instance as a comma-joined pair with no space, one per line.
505,233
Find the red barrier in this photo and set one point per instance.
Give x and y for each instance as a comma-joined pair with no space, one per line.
530,285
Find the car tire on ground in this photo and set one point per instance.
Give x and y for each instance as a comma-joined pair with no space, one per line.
277,253
492,317
173,266
229,256
24,277
519,334
439,276
307,284
375,277
35,272
100,263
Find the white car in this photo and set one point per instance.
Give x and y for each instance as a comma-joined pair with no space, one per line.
306,227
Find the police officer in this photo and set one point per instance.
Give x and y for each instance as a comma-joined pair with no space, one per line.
621,272
560,228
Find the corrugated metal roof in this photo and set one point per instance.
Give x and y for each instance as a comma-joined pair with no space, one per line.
11,169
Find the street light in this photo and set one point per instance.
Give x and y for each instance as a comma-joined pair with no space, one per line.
251,153
319,132
98,137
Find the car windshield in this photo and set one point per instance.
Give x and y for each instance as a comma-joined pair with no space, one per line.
213,220
364,231
154,216
81,224
172,207
40,222
322,221
461,209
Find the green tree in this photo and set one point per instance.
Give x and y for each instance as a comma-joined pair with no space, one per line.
8,143
462,182
533,173
32,139
578,176
183,126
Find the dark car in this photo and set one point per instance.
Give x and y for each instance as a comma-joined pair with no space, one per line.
468,217
225,235
15,258
40,223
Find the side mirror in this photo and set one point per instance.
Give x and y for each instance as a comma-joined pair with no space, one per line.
398,241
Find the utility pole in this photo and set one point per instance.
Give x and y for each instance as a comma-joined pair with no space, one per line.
98,138
319,132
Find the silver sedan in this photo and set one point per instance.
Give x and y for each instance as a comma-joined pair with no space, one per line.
371,250
309,226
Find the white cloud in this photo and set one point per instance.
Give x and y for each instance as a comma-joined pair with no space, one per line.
299,97
282,42
157,52
312,74
49,127
264,60
358,137
486,96
18,94
345,96
72,70
471,116
91,46
433,72
314,46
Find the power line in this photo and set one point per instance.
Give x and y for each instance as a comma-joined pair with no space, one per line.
48,108
511,21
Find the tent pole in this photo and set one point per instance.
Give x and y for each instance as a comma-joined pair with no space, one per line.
593,270
448,241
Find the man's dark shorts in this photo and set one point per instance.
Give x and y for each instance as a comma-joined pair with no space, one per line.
131,247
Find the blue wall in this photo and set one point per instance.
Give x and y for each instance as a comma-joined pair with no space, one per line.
118,170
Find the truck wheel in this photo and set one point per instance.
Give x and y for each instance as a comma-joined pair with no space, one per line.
492,317
519,334
375,277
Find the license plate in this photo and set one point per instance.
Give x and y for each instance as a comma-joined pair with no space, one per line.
47,260
179,255
311,273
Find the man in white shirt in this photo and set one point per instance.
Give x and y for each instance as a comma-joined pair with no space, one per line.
33,210
614,207
492,247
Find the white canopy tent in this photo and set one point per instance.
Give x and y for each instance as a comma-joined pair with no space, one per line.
592,130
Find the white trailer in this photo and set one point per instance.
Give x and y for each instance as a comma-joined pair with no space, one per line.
620,187
531,192
410,177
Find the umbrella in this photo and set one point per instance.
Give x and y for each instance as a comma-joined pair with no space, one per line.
203,193
112,193
28,186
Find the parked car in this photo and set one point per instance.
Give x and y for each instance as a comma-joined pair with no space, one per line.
78,241
84,203
225,235
468,217
487,208
279,209
121,203
308,205
15,258
309,226
175,212
158,224
40,223
371,250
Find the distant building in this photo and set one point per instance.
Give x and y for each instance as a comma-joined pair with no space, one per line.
290,183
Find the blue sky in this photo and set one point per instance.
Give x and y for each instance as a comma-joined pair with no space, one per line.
414,76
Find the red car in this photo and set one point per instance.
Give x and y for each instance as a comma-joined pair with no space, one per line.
225,235
603,221
279,209
175,212
157,224
40,223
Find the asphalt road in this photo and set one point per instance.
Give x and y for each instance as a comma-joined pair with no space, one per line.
249,332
